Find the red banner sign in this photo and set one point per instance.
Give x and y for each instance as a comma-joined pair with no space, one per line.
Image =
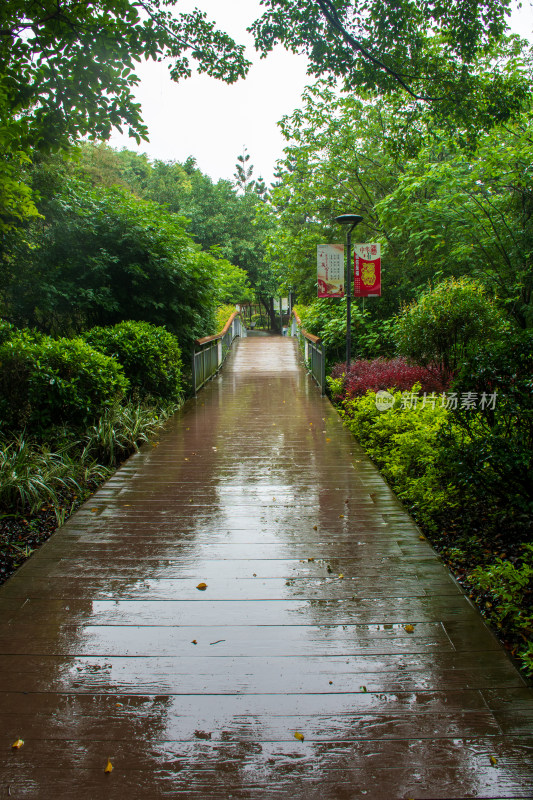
367,270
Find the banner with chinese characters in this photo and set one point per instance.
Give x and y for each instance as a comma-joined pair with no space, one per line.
330,270
367,270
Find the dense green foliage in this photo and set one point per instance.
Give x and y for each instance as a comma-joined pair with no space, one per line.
452,57
447,323
55,382
222,316
150,357
326,318
421,450
105,256
67,70
440,206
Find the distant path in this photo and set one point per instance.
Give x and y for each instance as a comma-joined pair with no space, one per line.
324,614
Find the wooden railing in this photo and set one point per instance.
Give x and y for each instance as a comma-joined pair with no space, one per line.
209,352
313,351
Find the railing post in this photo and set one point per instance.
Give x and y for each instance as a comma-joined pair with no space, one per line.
194,370
322,369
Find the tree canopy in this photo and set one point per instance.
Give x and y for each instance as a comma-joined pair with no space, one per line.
67,68
454,56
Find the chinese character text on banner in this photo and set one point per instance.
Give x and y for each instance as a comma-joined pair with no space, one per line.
367,270
330,270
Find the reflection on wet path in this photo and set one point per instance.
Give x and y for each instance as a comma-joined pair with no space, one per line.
324,613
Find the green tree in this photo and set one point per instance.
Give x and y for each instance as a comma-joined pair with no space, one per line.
67,68
102,256
454,213
447,324
428,51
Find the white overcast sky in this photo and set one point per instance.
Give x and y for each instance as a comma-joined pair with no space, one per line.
211,121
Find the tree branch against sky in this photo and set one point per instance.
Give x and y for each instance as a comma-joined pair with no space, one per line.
428,50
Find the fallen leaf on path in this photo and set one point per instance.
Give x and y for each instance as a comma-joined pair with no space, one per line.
18,744
93,510
109,766
202,587
341,576
194,641
493,761
299,736
408,628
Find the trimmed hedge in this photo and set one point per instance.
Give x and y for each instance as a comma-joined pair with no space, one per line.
149,355
55,382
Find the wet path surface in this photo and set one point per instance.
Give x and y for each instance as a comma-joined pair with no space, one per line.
324,614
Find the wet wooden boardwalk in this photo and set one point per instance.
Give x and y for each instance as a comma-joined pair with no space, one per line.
324,614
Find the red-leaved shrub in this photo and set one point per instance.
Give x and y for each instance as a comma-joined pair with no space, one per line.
382,373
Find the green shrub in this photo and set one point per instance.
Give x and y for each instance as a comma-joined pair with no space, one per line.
121,429
55,382
31,474
326,318
403,442
447,323
149,355
497,456
507,592
6,331
223,313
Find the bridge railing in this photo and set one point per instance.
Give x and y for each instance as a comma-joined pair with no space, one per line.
313,350
210,352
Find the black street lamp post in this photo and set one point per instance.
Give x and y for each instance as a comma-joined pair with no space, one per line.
352,220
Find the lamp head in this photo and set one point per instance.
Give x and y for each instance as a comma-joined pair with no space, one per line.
348,219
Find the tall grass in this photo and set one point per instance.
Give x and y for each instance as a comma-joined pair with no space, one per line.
122,429
31,474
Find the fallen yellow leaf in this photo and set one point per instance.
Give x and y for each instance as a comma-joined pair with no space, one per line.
422,538
194,641
109,767
341,516
18,744
408,628
315,527
341,575
202,587
299,736
493,761
328,440
93,510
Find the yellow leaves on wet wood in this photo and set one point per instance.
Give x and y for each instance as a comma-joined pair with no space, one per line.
341,576
109,766
202,587
299,736
408,628
18,744
341,516
493,760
